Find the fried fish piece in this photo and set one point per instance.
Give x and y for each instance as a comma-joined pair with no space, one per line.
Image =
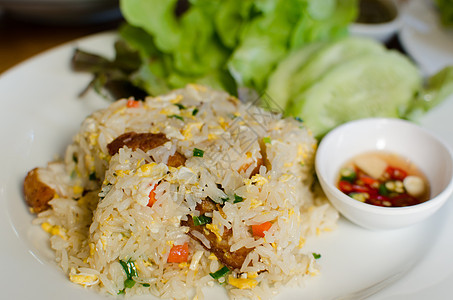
219,247
145,142
37,193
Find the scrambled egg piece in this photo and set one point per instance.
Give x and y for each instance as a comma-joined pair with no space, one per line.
77,189
85,280
54,230
242,283
214,229
187,131
257,179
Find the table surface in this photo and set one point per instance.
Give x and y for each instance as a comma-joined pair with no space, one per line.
20,40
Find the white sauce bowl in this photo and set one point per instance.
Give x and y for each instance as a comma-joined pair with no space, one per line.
404,138
381,32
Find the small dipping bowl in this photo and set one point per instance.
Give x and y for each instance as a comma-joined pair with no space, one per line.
382,31
406,139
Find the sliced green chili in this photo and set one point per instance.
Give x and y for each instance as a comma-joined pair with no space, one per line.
348,174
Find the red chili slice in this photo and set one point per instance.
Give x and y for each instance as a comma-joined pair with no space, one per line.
361,189
345,186
396,173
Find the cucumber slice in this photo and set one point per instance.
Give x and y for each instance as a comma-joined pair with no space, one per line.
330,56
367,86
278,83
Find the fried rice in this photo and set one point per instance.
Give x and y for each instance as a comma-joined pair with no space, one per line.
235,210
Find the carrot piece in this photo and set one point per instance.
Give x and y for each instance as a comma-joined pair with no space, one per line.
178,253
152,196
132,103
260,229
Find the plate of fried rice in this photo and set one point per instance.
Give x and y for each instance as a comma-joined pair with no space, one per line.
193,194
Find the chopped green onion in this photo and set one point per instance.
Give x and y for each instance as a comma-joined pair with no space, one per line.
180,106
201,220
220,273
194,111
129,283
92,176
121,292
267,140
146,284
131,271
177,117
316,255
299,119
198,152
75,158
237,199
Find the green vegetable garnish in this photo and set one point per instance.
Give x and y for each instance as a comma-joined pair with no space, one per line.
194,111
198,152
201,220
267,140
316,255
383,190
220,273
177,117
92,176
129,283
131,271
237,199
348,174
180,106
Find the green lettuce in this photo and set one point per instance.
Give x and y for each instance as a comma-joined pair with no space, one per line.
225,43
445,10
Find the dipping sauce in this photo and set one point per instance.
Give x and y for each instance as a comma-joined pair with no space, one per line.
383,179
375,12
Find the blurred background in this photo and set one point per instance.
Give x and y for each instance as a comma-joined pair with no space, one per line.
28,27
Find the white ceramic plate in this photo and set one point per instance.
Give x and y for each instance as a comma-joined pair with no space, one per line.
40,113
424,38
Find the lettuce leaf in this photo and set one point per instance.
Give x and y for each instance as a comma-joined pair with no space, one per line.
445,10
227,43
